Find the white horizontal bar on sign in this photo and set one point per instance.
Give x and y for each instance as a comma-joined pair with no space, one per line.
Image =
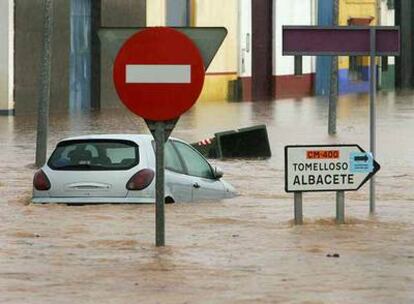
158,73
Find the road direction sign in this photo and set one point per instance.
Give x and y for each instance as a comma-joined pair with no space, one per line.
158,74
327,168
346,41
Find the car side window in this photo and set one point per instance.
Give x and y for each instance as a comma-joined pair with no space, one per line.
172,160
195,163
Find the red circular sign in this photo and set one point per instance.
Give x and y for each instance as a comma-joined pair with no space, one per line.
158,73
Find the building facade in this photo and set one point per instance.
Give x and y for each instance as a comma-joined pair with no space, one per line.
248,66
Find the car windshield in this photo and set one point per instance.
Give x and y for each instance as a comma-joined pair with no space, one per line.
86,155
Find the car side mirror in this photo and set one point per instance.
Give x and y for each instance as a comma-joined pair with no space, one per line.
218,173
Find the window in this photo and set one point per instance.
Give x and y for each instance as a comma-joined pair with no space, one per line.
94,155
172,160
196,164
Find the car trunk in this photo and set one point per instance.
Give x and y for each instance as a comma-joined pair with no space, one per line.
89,183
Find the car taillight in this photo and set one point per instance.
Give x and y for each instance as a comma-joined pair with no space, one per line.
40,181
141,180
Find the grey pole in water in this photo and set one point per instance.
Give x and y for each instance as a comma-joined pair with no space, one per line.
340,207
160,130
298,208
333,85
159,136
44,84
372,112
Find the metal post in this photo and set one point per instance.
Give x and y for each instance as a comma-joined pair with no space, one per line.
340,207
333,86
159,136
298,208
44,84
160,130
373,93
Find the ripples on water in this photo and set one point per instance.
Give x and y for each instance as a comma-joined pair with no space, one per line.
243,250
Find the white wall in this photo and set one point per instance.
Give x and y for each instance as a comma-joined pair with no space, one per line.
6,54
245,38
291,12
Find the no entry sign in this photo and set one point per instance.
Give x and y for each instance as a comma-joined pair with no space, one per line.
327,168
158,73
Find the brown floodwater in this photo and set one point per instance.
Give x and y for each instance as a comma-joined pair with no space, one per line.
242,250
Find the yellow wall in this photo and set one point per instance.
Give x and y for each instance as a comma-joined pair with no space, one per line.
219,13
356,9
223,68
216,87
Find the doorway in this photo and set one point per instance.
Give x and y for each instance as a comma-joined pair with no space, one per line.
262,50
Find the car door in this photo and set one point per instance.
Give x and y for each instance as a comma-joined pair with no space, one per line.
200,174
176,180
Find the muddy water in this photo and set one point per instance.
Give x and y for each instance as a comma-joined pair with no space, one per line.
243,250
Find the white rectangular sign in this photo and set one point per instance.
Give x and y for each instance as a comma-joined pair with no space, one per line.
158,73
327,168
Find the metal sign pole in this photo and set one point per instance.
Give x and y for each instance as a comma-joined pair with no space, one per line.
333,96
340,207
159,136
333,85
160,130
372,93
44,91
298,208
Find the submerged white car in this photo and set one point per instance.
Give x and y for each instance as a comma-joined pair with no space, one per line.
121,169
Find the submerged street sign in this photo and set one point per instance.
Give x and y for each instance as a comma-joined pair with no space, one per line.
158,74
340,40
327,168
346,41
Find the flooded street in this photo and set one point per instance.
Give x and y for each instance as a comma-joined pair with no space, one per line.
242,250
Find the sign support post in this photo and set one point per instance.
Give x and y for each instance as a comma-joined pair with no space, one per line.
333,85
159,136
298,208
340,207
333,96
160,130
372,112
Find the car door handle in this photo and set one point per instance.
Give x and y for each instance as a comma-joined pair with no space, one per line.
196,185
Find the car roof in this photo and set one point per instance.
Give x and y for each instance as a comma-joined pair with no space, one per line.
131,137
